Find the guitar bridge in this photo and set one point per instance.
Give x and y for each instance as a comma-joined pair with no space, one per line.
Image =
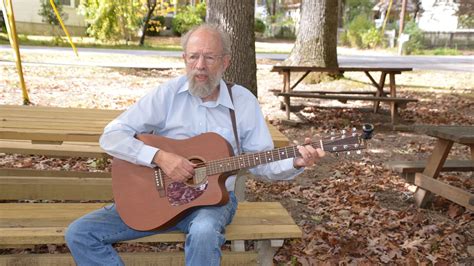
159,183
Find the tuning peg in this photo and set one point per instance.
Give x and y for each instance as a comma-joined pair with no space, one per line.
358,152
348,153
343,131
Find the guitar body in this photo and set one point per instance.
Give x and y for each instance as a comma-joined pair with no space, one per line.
146,199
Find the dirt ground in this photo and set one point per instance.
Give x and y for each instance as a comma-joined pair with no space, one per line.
351,208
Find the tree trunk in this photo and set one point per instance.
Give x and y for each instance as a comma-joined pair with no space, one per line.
151,5
237,18
316,41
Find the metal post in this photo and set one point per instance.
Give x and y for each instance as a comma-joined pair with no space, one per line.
7,8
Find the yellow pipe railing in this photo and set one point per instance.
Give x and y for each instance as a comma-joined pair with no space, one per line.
12,35
64,27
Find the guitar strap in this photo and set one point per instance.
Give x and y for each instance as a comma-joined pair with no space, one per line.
232,116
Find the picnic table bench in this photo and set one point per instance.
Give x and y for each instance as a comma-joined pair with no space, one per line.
36,206
424,173
379,95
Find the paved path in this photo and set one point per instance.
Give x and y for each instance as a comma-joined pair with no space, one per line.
450,63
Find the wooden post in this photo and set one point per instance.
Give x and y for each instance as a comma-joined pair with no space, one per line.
433,167
402,17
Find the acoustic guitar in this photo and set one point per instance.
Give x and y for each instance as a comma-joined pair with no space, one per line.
147,199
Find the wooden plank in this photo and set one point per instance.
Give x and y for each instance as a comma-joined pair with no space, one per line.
49,135
418,166
340,69
346,97
130,259
51,173
55,188
61,214
279,140
11,237
66,149
447,191
459,134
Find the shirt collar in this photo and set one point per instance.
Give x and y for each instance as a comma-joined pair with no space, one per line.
223,98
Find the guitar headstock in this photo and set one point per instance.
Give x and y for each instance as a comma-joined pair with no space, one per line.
348,141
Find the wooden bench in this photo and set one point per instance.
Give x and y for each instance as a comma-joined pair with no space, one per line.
24,224
408,169
379,95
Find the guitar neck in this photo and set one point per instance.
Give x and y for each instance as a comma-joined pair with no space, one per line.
250,160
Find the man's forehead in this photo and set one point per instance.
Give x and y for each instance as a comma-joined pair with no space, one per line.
204,40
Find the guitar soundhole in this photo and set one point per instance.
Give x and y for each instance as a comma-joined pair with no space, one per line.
180,193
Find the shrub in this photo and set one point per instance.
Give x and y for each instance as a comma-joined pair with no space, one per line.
414,44
371,38
260,26
356,28
189,17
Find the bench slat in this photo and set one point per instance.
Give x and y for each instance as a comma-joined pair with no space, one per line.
55,188
346,97
61,214
130,259
418,166
12,237
66,149
51,173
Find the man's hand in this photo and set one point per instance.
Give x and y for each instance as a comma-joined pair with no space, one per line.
176,167
309,155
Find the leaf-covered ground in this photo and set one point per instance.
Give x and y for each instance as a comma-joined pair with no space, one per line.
351,208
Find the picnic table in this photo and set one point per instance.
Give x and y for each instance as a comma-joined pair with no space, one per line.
378,95
55,125
427,180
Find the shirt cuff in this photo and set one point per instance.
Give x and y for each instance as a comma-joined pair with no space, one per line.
146,154
288,163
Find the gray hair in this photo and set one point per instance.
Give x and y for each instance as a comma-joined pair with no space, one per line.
224,36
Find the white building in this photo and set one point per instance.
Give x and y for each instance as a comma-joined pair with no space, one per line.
28,21
438,15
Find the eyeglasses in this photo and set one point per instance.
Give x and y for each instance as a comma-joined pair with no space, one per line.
209,59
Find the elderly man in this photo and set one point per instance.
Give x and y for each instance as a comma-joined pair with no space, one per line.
182,108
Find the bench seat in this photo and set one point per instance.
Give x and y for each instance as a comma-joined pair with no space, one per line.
24,224
345,98
408,169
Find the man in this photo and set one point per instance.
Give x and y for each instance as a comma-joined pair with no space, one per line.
184,107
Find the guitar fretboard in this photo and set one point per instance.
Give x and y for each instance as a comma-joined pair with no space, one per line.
253,159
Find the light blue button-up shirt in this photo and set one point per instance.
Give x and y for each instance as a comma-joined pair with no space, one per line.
171,111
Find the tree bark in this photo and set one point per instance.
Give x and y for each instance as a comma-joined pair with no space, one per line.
151,5
237,18
316,41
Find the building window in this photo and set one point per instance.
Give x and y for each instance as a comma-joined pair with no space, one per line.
68,3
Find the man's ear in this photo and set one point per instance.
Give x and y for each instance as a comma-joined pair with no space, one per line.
226,61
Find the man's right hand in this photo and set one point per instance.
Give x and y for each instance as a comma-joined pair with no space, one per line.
175,166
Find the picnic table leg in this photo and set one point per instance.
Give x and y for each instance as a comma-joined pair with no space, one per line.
433,167
379,92
286,88
472,151
393,105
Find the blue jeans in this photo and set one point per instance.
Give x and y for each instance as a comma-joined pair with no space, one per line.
90,237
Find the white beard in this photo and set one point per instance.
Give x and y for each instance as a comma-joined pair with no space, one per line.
203,90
